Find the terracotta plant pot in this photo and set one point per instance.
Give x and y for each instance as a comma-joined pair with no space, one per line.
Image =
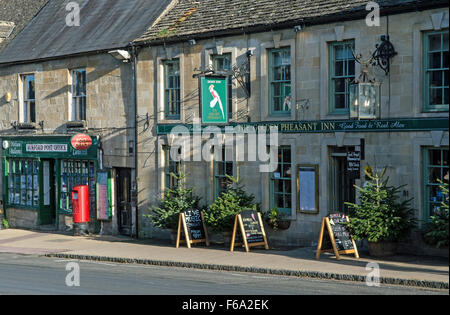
383,249
282,224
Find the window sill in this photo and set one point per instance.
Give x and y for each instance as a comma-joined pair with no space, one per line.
26,126
78,124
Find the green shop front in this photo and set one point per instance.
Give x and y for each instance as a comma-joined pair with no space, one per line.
40,172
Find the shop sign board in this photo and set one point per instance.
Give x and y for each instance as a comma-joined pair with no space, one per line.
192,224
81,142
214,100
49,147
250,225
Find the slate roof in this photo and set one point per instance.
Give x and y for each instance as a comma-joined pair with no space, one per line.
104,25
15,15
203,18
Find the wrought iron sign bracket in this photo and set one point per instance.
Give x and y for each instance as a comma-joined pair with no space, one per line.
383,54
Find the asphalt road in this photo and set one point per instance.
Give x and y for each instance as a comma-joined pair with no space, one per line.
46,276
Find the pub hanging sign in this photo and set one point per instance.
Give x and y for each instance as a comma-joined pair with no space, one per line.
214,99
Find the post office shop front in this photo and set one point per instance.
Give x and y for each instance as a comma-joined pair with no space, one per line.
38,176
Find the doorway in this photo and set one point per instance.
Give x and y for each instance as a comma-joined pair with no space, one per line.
341,183
47,209
123,195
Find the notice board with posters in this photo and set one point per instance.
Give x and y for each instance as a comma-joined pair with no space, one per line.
214,99
250,225
335,237
191,223
104,202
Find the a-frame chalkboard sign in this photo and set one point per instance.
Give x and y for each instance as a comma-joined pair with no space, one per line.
335,237
194,229
250,224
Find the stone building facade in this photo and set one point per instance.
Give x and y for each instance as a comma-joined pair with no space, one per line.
314,132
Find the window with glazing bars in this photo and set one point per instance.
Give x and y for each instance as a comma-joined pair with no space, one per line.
436,70
280,97
29,99
435,168
23,182
79,95
222,63
222,169
281,182
172,98
342,73
172,169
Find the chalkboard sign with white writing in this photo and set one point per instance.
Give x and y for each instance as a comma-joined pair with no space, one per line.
341,234
252,227
194,224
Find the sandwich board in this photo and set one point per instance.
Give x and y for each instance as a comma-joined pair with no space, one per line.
194,229
252,230
335,237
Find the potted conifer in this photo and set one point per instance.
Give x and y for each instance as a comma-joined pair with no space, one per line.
379,216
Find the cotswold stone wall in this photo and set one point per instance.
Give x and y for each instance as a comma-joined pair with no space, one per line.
400,152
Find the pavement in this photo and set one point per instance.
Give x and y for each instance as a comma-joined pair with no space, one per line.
408,270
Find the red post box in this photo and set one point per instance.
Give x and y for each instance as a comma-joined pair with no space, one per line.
80,202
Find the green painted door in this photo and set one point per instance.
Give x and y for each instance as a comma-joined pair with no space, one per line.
47,208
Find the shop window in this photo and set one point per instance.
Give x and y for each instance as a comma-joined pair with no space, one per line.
172,92
172,169
23,183
342,73
222,63
435,168
436,71
280,97
78,95
75,173
222,169
28,110
281,182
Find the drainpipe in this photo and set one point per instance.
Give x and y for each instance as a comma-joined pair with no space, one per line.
134,88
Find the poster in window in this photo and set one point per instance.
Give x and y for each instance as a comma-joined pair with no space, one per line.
308,189
103,196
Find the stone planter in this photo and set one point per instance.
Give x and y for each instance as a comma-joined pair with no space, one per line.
383,249
227,238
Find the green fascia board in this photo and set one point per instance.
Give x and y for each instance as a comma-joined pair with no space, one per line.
331,126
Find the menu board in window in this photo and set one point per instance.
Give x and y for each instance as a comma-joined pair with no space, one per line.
308,189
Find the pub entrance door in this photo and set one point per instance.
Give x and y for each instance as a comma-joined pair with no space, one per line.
124,215
341,183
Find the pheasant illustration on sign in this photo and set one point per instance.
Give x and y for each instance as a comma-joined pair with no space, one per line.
213,100
216,99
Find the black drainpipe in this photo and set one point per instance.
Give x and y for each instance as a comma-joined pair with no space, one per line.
134,88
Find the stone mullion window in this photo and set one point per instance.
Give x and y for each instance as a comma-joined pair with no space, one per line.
342,73
172,98
280,81
79,95
436,71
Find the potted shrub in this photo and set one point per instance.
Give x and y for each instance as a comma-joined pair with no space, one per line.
437,233
221,214
175,200
277,220
380,217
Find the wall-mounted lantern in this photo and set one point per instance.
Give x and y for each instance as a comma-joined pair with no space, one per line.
365,93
